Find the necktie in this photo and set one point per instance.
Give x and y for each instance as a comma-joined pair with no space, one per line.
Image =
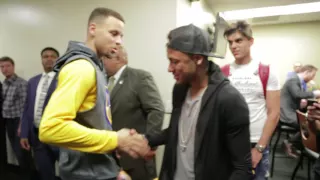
41,100
111,83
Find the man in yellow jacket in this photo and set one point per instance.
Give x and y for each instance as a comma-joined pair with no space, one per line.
77,116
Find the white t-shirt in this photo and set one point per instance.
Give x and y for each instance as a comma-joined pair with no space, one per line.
246,79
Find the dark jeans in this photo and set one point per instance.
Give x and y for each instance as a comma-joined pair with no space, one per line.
263,166
138,174
45,157
24,157
142,170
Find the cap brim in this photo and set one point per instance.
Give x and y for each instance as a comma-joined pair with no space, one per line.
211,55
215,56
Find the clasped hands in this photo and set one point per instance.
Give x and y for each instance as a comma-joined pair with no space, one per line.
133,144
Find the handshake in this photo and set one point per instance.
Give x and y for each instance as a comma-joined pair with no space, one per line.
133,144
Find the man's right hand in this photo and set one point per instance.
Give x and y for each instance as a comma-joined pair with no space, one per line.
132,143
25,144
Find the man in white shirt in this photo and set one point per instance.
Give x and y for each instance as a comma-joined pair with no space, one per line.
263,98
45,156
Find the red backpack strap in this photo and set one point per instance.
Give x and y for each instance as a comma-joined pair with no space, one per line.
264,71
226,70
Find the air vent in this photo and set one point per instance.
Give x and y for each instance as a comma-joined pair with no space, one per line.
265,19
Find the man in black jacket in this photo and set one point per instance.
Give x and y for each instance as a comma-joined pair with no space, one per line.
208,135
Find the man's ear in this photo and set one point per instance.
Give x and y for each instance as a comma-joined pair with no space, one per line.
251,41
92,29
198,59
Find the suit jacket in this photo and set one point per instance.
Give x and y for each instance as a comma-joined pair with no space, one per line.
27,127
136,103
291,95
222,138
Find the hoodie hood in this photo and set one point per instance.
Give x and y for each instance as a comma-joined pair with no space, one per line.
215,74
76,49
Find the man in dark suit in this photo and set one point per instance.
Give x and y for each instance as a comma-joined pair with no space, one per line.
135,104
291,94
208,136
45,156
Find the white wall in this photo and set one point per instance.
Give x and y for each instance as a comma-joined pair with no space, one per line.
200,15
183,13
30,25
284,44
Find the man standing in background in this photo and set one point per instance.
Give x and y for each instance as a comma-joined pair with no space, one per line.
260,87
14,95
135,104
44,155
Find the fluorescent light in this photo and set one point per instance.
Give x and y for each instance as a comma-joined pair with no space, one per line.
271,11
24,14
198,15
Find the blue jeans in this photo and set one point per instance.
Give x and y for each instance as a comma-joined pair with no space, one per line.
262,168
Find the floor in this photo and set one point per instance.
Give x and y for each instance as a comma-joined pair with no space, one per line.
284,166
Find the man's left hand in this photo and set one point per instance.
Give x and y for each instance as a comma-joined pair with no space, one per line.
256,157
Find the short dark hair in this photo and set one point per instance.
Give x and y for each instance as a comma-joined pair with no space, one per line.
240,26
101,13
308,68
7,59
50,49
